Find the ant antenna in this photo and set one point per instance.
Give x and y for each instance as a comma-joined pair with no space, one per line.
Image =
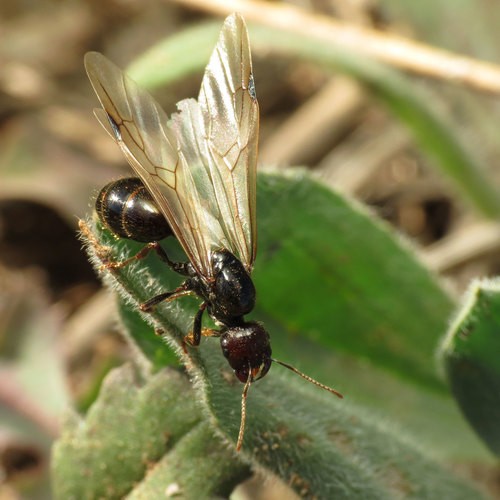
248,383
243,410
306,377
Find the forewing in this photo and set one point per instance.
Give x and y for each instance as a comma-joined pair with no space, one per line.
200,166
231,120
218,136
139,126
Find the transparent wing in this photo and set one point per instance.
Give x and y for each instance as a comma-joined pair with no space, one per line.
200,166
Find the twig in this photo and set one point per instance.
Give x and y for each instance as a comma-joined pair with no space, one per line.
397,51
461,247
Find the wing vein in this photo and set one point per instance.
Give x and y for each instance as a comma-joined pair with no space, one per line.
200,165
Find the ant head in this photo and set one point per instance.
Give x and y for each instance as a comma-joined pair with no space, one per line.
247,349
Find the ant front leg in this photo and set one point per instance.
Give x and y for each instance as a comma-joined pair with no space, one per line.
193,338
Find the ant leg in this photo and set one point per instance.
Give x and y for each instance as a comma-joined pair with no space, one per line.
141,254
182,268
179,267
180,291
193,338
103,252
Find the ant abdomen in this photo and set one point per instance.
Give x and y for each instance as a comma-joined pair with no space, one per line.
128,210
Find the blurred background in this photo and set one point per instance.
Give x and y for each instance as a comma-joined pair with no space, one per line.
57,333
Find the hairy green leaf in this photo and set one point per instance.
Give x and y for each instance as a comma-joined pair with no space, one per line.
139,424
471,356
335,282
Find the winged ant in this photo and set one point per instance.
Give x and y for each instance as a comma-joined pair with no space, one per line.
197,182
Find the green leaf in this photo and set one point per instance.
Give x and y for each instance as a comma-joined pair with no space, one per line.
316,278
329,271
145,436
323,447
142,335
139,424
471,356
333,284
376,314
199,466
